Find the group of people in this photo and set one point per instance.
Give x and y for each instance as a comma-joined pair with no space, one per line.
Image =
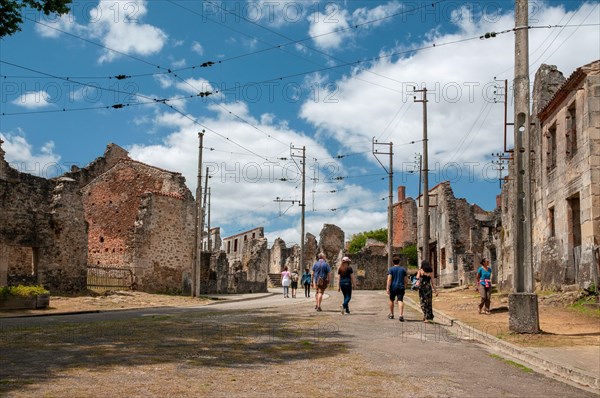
396,285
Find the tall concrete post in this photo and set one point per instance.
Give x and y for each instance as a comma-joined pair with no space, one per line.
303,208
425,174
197,256
390,242
522,303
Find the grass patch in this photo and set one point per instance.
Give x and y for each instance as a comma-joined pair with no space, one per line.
580,306
512,363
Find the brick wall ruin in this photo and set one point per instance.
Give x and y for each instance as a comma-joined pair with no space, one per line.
404,218
141,217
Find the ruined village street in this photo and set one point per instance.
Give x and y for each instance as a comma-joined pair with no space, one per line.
255,348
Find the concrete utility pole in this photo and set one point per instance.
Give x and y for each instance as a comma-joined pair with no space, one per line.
425,173
197,258
390,172
210,249
303,203
522,303
204,212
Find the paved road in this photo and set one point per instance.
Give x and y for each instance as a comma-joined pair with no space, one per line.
416,359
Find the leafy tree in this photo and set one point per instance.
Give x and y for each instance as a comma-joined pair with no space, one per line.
358,241
410,252
10,12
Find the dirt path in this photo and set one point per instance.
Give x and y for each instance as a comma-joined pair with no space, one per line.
561,325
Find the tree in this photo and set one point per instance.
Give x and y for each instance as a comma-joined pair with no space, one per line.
411,254
10,12
358,241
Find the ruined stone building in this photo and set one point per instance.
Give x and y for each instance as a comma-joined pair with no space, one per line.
114,213
460,235
233,245
241,266
43,236
211,241
141,217
404,218
566,179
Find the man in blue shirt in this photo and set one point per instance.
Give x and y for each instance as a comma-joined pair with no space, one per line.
320,271
397,280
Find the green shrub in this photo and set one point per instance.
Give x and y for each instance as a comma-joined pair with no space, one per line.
358,241
22,291
410,252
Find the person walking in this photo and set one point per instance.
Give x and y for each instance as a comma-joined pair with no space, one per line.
306,281
320,279
294,284
286,279
426,289
397,280
346,283
484,285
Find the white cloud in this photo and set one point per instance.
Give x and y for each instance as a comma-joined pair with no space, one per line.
335,25
34,100
178,63
194,86
464,124
117,24
21,156
244,163
329,29
197,48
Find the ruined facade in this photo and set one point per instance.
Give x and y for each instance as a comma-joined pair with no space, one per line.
142,218
233,245
211,241
404,218
566,182
43,233
460,235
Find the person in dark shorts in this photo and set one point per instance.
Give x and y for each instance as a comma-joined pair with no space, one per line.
320,278
397,280
294,284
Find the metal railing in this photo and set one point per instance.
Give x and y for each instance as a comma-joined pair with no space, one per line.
110,278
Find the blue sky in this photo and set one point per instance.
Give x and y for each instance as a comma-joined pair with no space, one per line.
330,76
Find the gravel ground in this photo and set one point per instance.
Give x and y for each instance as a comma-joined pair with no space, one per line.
258,348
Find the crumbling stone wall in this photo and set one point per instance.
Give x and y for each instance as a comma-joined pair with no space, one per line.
404,218
370,270
140,217
163,242
278,256
255,267
459,236
42,231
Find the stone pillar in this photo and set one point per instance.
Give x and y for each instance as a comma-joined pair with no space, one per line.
523,314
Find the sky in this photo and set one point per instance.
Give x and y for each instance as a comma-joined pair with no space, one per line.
335,78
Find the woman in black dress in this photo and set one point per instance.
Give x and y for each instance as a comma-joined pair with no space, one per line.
426,289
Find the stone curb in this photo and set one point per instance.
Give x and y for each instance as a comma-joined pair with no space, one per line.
220,301
566,373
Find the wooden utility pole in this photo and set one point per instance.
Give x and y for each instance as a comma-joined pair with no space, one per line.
390,172
425,173
522,303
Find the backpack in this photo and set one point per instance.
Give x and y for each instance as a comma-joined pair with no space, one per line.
294,277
